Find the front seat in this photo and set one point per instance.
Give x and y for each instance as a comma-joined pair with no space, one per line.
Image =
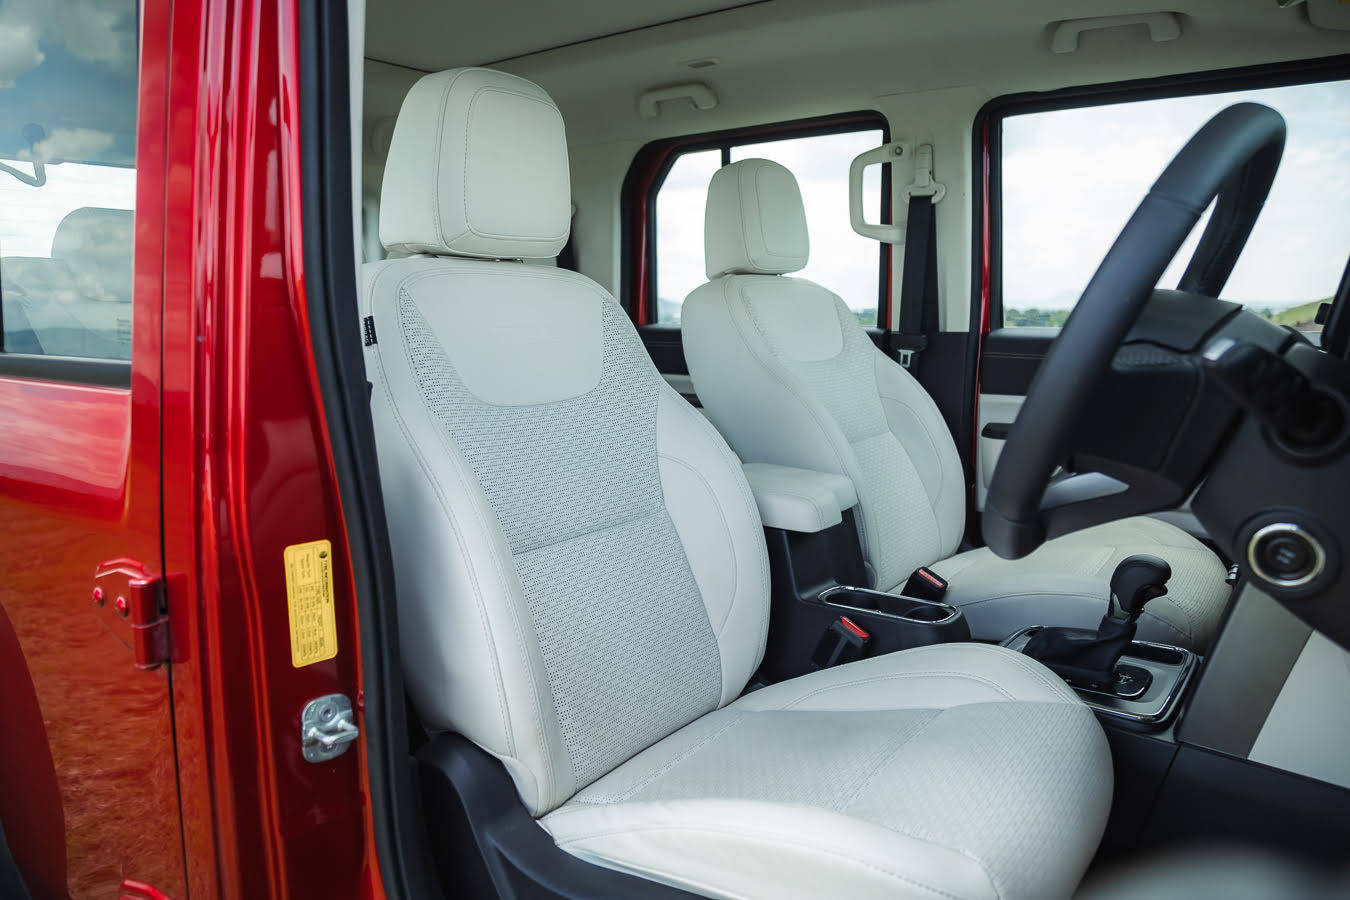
788,376
583,582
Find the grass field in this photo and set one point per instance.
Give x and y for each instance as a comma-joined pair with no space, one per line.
1300,317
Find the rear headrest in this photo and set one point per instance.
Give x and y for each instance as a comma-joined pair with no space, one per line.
97,244
477,166
754,222
96,230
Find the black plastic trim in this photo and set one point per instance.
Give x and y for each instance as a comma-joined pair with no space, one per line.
1012,356
997,430
1211,798
498,849
1218,81
665,347
11,879
331,294
77,370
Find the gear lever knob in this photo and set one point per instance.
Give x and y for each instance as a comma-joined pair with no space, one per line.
1137,580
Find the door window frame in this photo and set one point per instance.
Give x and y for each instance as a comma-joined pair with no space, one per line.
648,171
987,285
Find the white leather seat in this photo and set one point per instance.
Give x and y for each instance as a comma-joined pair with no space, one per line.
583,582
788,376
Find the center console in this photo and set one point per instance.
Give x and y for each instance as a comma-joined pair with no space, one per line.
821,615
1149,685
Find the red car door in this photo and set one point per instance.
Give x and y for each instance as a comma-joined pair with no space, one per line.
88,777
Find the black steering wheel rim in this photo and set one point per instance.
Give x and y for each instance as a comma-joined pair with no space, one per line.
1233,157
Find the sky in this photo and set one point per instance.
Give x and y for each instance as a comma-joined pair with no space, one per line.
1072,178
68,68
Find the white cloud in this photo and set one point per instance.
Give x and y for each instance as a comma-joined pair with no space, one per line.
97,31
74,144
19,52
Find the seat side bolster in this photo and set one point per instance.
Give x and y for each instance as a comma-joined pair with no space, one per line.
917,423
462,609
733,848
714,514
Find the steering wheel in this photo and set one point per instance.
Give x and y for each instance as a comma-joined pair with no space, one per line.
1234,157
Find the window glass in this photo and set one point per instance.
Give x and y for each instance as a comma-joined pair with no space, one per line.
841,260
67,177
679,231
1072,177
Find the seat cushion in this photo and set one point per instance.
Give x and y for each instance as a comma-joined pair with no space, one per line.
957,770
1065,582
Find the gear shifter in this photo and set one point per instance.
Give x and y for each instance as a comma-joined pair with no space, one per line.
1089,660
1136,581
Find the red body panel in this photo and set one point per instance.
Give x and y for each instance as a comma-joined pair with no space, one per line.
187,780
92,778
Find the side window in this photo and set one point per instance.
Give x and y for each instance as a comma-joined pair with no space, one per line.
841,260
67,180
679,231
1070,179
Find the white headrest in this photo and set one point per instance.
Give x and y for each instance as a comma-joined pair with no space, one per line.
477,167
754,222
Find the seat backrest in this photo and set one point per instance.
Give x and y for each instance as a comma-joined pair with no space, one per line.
579,561
788,376
97,244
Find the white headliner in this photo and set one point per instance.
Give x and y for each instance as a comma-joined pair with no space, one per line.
439,35
782,59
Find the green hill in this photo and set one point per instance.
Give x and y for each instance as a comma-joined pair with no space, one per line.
1295,315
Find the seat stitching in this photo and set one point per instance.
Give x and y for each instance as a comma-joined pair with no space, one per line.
717,632
928,673
473,101
1036,671
459,539
1184,634
779,840
670,764
815,508
890,757
1015,594
748,504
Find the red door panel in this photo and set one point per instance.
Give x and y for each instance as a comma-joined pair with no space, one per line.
88,776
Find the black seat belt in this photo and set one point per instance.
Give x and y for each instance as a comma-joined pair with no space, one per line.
918,282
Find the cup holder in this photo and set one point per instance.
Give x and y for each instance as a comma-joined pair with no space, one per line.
898,606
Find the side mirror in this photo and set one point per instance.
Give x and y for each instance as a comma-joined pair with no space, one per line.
33,133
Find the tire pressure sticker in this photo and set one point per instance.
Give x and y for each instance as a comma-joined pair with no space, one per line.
309,594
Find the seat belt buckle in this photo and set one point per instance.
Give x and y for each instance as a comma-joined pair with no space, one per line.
913,344
843,642
925,584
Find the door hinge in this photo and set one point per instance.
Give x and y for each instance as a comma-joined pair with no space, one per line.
131,602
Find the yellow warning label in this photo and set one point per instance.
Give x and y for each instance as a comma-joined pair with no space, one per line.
309,594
